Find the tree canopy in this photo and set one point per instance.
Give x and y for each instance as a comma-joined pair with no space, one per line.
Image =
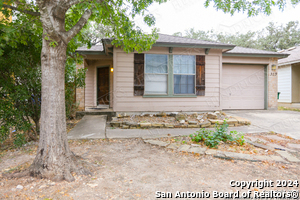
272,38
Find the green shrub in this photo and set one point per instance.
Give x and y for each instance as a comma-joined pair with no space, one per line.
213,138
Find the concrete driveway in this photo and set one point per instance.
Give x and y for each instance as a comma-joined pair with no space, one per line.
279,121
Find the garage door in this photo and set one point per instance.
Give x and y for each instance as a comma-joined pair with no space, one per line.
242,87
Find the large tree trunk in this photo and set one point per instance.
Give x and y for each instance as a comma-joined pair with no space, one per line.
54,160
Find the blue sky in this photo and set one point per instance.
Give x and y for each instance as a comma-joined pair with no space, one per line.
179,15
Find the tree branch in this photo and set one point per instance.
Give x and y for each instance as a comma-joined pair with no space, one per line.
78,26
22,10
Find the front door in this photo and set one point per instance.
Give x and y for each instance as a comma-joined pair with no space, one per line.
103,85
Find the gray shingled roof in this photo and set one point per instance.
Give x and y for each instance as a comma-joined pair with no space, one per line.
249,51
94,48
293,58
175,41
170,39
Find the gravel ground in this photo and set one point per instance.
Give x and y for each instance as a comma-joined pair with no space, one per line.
131,169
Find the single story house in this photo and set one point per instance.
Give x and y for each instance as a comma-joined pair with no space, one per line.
179,74
289,77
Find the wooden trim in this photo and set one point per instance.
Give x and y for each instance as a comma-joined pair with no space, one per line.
200,75
139,63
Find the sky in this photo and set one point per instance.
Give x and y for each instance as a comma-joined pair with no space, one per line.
179,15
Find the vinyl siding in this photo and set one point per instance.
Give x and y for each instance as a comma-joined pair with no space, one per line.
285,84
124,100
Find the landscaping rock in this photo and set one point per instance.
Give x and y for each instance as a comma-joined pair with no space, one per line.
196,150
172,146
217,113
19,187
211,152
260,145
294,146
195,115
145,125
115,124
173,114
183,148
193,126
157,142
131,124
277,158
114,118
232,121
192,122
182,121
211,115
242,120
288,156
125,127
161,114
239,156
169,126
275,137
199,117
180,116
205,124
157,125
213,121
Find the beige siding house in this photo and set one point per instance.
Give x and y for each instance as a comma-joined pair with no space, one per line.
179,74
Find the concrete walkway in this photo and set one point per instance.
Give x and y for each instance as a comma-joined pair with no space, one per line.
89,127
284,122
279,121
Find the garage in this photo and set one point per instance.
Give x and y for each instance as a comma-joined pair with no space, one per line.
243,86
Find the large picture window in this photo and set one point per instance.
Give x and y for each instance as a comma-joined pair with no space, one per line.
156,74
161,75
184,74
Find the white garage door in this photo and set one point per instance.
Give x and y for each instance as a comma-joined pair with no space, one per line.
242,87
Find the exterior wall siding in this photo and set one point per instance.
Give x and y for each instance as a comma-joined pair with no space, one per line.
80,99
124,99
285,84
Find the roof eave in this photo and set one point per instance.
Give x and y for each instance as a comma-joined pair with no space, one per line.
256,55
91,52
289,63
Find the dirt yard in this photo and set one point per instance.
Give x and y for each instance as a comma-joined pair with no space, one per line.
131,169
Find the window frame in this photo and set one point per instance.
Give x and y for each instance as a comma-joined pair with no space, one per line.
145,74
170,80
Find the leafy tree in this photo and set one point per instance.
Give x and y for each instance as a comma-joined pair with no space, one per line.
62,22
272,38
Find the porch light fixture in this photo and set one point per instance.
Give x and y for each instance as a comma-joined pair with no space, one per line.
274,67
112,69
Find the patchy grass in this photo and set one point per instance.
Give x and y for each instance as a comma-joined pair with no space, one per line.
287,108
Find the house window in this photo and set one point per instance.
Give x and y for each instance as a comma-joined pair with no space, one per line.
184,74
156,74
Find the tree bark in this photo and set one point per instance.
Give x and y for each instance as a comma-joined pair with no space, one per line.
54,160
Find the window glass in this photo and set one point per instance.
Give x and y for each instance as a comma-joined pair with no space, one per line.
184,74
156,84
156,74
184,64
156,63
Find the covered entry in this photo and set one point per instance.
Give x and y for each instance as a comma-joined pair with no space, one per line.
243,86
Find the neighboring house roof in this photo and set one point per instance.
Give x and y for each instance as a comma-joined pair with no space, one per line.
293,58
242,51
96,49
175,41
